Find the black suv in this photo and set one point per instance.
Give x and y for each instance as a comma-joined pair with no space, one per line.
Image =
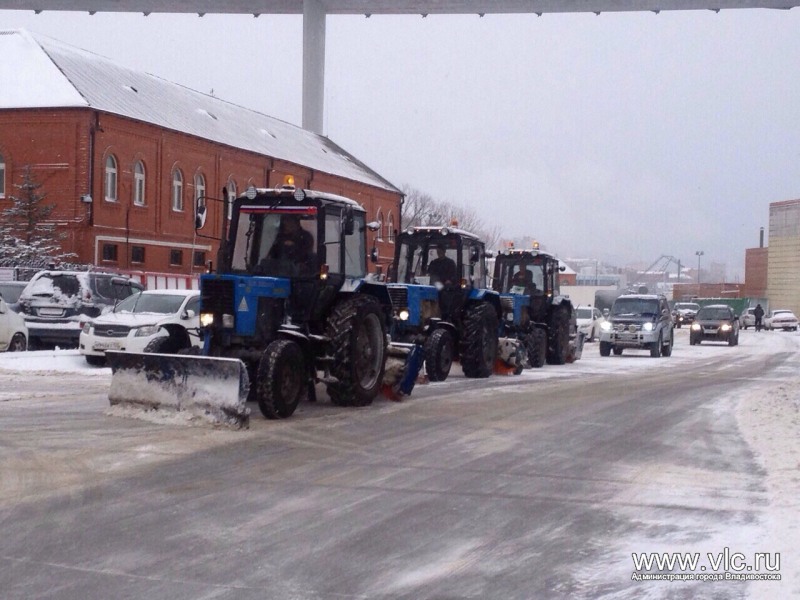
641,321
56,304
715,323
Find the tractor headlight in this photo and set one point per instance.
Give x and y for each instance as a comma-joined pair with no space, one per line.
146,331
403,315
606,326
696,327
206,319
647,327
228,321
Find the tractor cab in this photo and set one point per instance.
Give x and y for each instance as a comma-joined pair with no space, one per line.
527,272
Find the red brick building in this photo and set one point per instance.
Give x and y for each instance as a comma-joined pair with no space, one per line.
124,156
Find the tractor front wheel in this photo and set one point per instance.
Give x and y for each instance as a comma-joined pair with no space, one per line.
281,380
438,354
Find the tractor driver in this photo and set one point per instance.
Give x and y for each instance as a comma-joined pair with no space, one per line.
442,268
292,242
524,279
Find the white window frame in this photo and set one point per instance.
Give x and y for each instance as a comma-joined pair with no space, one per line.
199,190
231,186
390,228
2,177
139,180
379,219
110,180
177,190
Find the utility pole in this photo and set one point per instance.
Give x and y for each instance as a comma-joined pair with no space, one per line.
699,253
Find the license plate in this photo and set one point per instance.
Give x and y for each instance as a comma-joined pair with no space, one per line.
51,312
106,346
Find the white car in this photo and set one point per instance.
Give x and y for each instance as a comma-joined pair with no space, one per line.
780,319
13,332
747,318
139,320
589,322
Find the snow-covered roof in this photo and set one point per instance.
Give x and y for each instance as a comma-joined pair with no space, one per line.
40,72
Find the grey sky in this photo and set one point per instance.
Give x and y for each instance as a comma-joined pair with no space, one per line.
623,136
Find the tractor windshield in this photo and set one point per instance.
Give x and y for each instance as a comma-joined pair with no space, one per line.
276,242
523,277
427,261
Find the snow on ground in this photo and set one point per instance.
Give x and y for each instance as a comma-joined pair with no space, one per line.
766,410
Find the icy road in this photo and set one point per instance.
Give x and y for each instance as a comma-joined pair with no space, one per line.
620,477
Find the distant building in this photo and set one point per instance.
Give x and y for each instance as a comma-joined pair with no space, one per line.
125,156
783,262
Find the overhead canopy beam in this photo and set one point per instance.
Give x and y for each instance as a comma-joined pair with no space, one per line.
315,11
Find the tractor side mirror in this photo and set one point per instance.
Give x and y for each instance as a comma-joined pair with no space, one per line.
373,226
474,254
373,255
562,268
200,215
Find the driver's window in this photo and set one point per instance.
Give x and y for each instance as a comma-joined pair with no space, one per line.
333,227
355,255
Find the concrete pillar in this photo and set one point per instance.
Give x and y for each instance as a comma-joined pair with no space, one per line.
313,64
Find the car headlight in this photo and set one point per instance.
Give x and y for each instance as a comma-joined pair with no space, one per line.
647,327
606,326
87,327
206,319
725,327
147,331
696,327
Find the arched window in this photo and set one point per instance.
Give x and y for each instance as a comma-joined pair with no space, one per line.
111,179
231,197
177,190
390,228
199,190
379,219
138,183
2,177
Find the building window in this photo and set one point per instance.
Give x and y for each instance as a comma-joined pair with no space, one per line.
138,183
390,228
137,254
199,259
110,252
231,197
111,178
2,177
379,219
176,257
199,191
177,190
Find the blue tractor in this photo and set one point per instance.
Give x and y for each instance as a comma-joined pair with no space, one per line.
441,302
290,301
534,310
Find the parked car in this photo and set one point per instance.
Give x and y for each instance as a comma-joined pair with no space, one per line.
780,318
56,304
683,313
140,319
638,321
13,333
10,291
715,323
747,318
589,321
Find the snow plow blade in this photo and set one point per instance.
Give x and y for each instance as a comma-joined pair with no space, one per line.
212,389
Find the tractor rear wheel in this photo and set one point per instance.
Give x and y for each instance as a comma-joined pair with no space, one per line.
357,332
558,346
438,354
478,344
281,380
536,343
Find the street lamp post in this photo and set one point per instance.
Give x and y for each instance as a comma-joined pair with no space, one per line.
699,253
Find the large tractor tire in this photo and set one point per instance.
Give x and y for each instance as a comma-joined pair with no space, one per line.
357,332
438,354
558,342
282,379
536,344
478,343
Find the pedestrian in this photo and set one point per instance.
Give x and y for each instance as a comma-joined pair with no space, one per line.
758,313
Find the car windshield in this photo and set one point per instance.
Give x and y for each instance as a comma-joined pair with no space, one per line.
162,304
687,306
584,313
713,314
635,307
784,313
